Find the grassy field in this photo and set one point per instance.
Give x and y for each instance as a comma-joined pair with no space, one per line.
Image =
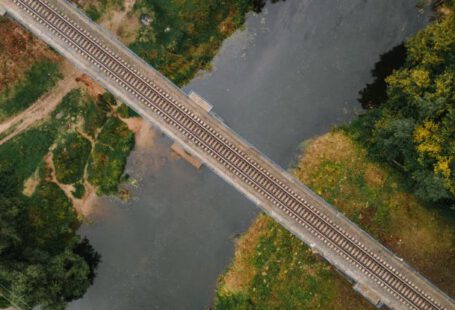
70,158
79,122
19,51
39,79
20,157
273,270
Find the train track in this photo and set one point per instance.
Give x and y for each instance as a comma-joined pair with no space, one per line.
205,137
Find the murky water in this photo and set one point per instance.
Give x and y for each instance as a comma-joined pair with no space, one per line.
293,73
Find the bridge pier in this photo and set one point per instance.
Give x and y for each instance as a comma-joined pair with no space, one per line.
189,157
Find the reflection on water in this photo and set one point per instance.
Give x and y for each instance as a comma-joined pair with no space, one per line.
292,73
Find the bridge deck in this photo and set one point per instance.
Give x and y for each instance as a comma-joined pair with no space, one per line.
378,273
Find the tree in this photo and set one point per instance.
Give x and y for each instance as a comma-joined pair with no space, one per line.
414,127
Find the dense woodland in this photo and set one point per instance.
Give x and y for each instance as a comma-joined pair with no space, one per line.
412,124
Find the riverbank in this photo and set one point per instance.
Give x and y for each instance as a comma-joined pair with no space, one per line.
272,269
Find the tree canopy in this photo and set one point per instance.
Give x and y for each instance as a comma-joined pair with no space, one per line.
414,128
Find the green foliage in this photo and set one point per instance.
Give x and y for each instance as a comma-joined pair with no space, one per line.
374,94
20,156
96,9
414,128
94,115
93,12
274,270
42,259
184,36
41,77
49,204
70,158
126,112
108,159
113,141
79,190
279,255
78,106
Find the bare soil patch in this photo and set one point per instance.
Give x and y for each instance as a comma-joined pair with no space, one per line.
19,50
31,183
93,88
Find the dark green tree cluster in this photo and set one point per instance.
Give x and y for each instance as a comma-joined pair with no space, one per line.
42,261
414,128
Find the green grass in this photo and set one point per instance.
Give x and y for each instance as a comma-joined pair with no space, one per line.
20,157
282,273
96,9
113,141
109,156
39,79
70,158
273,270
24,153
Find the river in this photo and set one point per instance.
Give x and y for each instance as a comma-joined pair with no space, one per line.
294,72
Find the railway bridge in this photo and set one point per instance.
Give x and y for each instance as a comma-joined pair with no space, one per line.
376,273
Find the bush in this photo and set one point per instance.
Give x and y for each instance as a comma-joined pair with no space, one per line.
70,158
108,159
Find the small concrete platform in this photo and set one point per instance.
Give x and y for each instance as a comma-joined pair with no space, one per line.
200,101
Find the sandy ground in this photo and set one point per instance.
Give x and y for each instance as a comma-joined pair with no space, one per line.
124,23
144,133
43,107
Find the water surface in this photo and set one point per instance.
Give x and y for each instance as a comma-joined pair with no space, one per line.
293,73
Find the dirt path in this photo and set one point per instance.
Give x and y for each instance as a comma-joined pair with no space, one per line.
43,107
